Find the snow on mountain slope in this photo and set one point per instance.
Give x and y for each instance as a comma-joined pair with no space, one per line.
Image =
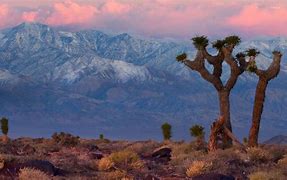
34,49
76,68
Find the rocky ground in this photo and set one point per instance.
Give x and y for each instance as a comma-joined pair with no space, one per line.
67,157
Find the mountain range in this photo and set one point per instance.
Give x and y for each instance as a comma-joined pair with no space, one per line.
91,82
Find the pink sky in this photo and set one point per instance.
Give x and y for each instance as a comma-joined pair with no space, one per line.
155,18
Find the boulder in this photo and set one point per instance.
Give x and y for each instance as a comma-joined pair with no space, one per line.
162,154
41,165
12,169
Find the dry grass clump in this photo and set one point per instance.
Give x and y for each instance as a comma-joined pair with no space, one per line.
126,159
116,175
264,175
257,154
183,154
32,174
105,164
197,168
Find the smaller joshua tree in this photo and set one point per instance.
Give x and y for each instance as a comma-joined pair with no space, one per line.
5,128
166,131
197,131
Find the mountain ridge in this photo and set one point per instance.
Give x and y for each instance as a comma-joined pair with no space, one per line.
107,83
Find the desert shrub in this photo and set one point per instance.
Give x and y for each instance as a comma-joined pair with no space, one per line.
197,168
65,139
166,131
257,154
32,174
105,164
264,175
283,162
126,159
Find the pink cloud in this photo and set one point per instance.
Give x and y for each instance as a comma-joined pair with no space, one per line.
114,7
70,12
4,11
266,20
157,18
29,16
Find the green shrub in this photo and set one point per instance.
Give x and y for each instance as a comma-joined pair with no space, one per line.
65,139
166,131
101,136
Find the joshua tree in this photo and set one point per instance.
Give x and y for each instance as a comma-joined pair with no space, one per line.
166,131
224,54
5,128
264,77
197,131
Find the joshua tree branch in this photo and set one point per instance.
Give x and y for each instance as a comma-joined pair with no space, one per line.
198,65
235,68
216,61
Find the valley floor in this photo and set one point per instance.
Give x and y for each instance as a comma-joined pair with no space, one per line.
69,157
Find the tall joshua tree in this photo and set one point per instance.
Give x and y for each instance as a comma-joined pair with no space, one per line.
264,77
224,54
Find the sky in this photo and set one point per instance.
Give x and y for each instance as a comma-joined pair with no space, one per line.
154,18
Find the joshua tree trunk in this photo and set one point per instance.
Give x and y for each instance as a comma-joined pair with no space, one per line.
257,112
224,105
264,77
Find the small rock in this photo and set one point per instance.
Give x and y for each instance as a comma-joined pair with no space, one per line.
96,155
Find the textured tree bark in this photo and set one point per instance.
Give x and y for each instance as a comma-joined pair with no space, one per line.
257,111
215,131
224,105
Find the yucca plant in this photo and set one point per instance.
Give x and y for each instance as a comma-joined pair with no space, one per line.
181,57
252,53
218,44
232,40
200,42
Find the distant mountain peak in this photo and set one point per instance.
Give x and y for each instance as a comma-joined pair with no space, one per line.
279,139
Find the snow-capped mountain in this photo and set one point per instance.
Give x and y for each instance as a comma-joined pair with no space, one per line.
118,84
